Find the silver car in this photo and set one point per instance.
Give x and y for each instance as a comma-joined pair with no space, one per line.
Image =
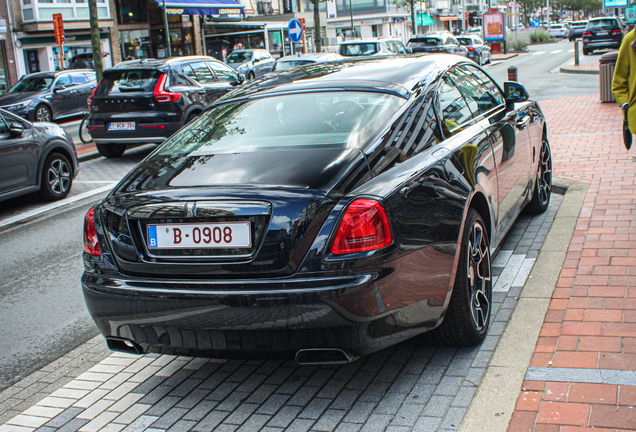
251,62
373,47
297,60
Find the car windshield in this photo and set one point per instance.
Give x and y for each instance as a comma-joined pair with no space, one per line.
430,41
32,84
128,81
601,24
465,41
308,119
359,49
239,57
284,65
556,26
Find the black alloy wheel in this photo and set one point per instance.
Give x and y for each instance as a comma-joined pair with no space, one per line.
111,151
543,187
43,114
468,316
57,177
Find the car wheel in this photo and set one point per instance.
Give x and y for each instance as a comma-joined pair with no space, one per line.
480,62
251,76
57,177
43,114
543,187
111,151
468,315
191,117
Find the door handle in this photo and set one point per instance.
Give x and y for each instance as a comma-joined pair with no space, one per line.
523,122
73,91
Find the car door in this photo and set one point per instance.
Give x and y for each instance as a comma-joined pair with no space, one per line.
267,62
83,86
508,130
18,158
63,97
211,89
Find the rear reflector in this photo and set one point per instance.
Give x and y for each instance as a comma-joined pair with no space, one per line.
364,227
163,96
91,245
617,31
156,126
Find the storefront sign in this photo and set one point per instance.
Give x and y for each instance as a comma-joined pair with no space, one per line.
615,3
630,14
494,26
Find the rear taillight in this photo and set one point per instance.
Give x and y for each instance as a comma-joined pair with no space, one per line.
364,227
89,101
91,245
617,31
470,48
587,33
162,95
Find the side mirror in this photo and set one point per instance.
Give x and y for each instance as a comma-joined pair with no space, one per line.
409,50
515,92
58,87
16,129
240,80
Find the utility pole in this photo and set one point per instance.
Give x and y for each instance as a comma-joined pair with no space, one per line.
353,30
463,15
95,42
165,20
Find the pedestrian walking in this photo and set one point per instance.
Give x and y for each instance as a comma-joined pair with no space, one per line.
624,85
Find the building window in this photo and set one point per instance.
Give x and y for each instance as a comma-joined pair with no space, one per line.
132,11
135,44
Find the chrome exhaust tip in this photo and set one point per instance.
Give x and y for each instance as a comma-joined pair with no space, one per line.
318,356
123,345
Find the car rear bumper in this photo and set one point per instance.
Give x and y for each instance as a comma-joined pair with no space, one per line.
152,140
603,44
256,319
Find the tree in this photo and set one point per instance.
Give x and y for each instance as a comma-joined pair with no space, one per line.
411,5
317,38
95,42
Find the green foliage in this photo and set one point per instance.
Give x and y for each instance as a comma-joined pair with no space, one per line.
522,42
538,35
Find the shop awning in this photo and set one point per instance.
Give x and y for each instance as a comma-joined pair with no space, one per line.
203,7
449,18
424,19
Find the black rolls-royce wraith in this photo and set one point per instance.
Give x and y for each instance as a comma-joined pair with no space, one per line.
320,214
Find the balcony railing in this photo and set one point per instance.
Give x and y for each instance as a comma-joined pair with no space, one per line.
71,10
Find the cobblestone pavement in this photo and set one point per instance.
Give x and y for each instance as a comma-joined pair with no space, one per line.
582,374
412,386
95,174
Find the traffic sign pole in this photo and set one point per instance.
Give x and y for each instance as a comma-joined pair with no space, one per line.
58,31
302,23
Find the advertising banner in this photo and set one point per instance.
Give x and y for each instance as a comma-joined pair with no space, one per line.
615,3
494,26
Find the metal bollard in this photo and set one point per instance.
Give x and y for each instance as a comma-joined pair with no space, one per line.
512,73
576,53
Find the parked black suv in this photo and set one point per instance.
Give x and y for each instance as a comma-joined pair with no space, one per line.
603,33
146,101
441,43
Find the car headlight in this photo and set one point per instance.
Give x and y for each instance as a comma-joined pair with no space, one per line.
17,106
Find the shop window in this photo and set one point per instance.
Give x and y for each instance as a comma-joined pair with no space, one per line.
132,11
135,44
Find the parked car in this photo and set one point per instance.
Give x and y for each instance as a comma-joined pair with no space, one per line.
47,96
146,101
293,61
252,63
441,43
35,157
558,30
372,47
576,29
477,30
320,216
478,51
603,33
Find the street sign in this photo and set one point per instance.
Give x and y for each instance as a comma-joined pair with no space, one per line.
58,31
630,14
295,30
535,23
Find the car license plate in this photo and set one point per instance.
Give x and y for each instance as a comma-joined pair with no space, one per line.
602,33
200,236
121,126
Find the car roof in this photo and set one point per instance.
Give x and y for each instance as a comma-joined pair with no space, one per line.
602,18
247,50
358,41
159,63
55,74
398,75
310,56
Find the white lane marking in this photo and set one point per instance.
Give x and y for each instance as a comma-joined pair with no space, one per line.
572,50
55,205
507,276
538,53
556,51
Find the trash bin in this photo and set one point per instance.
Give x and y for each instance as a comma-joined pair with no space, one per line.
607,63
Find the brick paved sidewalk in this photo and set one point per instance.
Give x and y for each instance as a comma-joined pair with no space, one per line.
582,373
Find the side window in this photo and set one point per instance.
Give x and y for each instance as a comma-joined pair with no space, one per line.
223,73
178,79
79,78
469,88
452,40
400,47
65,80
491,95
188,71
203,73
454,110
266,55
3,125
91,77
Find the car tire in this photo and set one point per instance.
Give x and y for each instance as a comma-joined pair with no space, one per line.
111,151
251,76
481,60
468,315
191,117
543,186
586,52
57,177
43,114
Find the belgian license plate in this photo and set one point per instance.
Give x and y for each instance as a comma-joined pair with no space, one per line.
200,236
126,126
602,33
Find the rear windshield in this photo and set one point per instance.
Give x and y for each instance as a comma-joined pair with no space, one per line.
308,119
359,49
284,65
465,41
431,41
128,81
602,24
556,26
32,84
239,57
